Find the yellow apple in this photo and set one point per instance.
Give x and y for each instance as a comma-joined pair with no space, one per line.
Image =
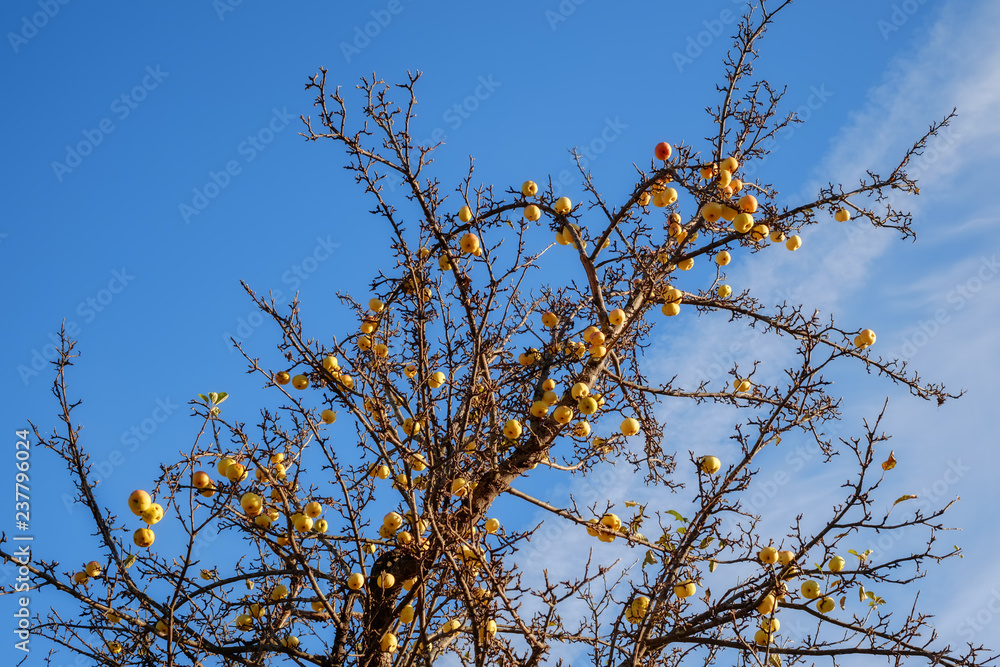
113,617
742,386
393,520
330,362
406,614
843,215
686,264
581,429
685,589
724,291
810,590
279,592
793,242
386,580
532,213
302,523
465,214
492,525
549,319
282,378
139,501
729,213
762,638
93,569
549,385
786,557
460,487
670,309
153,514
777,237
512,429
630,426
383,471
611,521
321,526
867,336
290,641
768,555
209,490
81,578
711,211
725,177
748,204
768,604
529,189
200,480
539,409
730,164
616,317
563,206
469,243
411,426
759,233
114,646
662,151
711,464
313,509
723,258
356,581
223,464
487,631
826,605
143,537
836,564
563,414
328,416
743,223
236,473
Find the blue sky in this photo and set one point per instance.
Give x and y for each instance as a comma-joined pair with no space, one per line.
154,161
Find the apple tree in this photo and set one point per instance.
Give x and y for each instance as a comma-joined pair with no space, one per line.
476,366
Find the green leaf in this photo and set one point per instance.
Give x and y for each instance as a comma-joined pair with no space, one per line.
677,515
130,560
222,396
630,503
213,396
908,496
705,542
712,565
681,530
203,397
650,558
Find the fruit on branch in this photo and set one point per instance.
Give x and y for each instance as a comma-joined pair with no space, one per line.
375,305
532,213
356,581
291,641
563,414
328,416
529,189
723,258
710,464
794,242
777,237
711,211
550,319
762,638
465,214
492,525
810,589
742,385
743,222
139,501
406,614
662,151
670,309
469,243
563,206
724,291
630,426
153,514
300,381
768,604
685,589
842,215
836,564
512,429
616,317
748,204
282,378
768,555
279,592
581,429
81,578
786,557
93,569
143,538
386,580
200,480
758,233
236,473
460,487
729,164
826,605
436,380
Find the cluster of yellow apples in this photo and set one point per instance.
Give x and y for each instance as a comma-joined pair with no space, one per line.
864,339
810,590
143,506
91,570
